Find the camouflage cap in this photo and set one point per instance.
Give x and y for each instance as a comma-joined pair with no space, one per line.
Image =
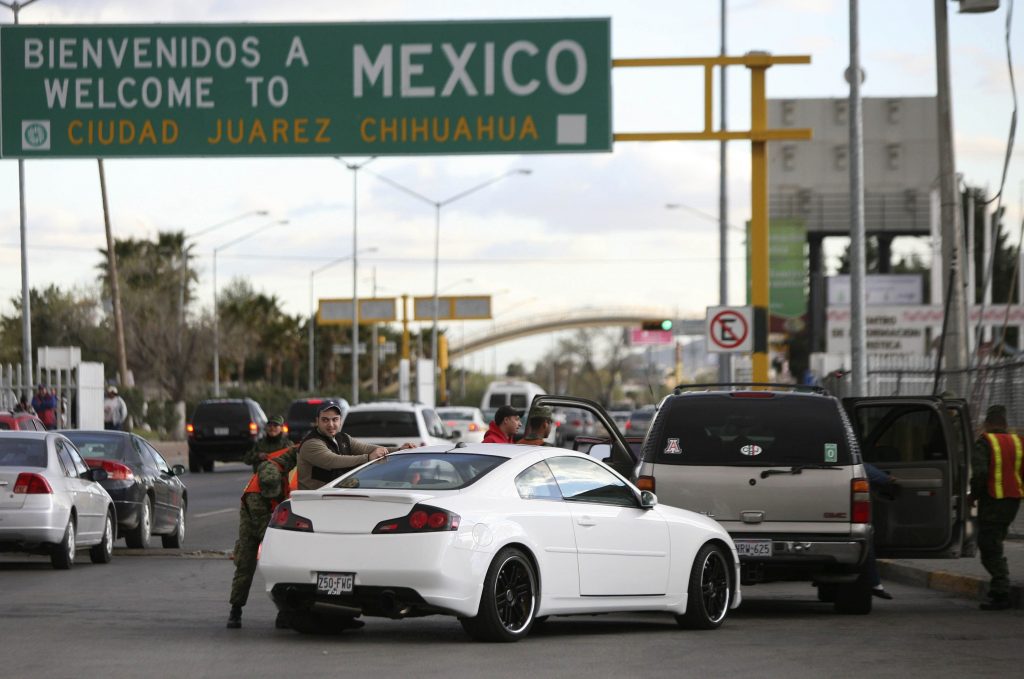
276,419
271,479
544,412
996,413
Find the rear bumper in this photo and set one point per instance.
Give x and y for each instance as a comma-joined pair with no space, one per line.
222,450
805,557
26,527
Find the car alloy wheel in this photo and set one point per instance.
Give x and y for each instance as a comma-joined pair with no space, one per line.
177,538
104,551
709,593
63,555
509,599
138,537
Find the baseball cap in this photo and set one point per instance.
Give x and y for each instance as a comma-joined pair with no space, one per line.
270,479
329,405
276,419
542,412
996,412
506,411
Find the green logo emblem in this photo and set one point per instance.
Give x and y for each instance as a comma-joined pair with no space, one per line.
831,452
35,135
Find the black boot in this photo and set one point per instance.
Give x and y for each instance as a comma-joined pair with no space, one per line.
235,617
996,603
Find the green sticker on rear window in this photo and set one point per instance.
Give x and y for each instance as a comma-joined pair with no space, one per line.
831,452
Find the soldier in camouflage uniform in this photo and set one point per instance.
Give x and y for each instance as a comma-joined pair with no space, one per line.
997,487
266,488
274,440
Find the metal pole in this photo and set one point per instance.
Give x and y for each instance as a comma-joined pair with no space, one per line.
115,287
216,331
858,359
312,320
951,243
375,375
433,329
724,360
355,291
759,260
26,306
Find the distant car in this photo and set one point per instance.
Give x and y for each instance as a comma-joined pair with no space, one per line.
392,423
466,420
639,421
578,422
51,502
223,430
20,422
620,418
500,536
301,417
149,496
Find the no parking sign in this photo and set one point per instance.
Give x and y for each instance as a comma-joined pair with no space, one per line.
729,329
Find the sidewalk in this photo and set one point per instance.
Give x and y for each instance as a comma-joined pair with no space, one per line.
965,577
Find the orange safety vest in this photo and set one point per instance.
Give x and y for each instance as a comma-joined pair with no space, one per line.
1004,468
254,481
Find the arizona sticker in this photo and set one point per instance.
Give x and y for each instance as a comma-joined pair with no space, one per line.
672,447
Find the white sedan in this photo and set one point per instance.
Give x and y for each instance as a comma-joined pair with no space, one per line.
51,502
500,536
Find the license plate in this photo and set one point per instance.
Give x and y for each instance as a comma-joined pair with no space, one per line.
220,431
753,547
334,583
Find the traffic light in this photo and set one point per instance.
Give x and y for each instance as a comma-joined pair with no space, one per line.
657,324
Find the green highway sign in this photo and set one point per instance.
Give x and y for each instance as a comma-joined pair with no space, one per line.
454,87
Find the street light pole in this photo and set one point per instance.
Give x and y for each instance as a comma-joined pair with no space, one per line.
355,167
26,307
724,360
438,204
216,305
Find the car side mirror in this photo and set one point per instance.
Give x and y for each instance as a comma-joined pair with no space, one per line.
178,469
455,434
648,500
96,474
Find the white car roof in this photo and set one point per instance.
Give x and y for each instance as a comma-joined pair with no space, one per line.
28,434
508,450
400,406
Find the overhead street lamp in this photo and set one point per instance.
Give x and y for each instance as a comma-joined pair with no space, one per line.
355,167
216,307
26,307
312,313
438,204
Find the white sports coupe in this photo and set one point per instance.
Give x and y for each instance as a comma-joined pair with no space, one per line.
500,536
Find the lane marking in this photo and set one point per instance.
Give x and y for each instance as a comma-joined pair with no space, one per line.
206,514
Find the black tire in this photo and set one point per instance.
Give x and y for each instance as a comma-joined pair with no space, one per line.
177,538
104,551
827,592
508,601
195,462
63,555
313,622
853,598
207,465
710,592
139,537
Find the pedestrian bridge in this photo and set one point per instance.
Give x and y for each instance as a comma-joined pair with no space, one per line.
583,318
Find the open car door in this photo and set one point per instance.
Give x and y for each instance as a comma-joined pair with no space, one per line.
621,457
924,442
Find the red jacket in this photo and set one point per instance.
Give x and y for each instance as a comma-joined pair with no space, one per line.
496,435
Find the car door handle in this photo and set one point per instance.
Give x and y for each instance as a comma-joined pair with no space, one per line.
586,521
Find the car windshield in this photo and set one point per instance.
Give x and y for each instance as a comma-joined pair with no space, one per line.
22,452
98,445
455,414
221,414
381,423
304,411
750,431
436,471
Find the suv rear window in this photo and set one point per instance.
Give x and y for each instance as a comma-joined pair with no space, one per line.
381,423
303,411
214,414
736,431
437,471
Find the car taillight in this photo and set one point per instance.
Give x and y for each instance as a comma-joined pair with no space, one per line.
190,430
317,401
284,518
115,470
422,519
285,428
860,501
629,425
752,394
645,483
30,483
253,429
577,423
472,426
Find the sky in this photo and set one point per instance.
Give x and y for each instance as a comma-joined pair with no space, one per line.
579,231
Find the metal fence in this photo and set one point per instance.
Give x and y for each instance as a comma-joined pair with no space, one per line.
13,386
1000,382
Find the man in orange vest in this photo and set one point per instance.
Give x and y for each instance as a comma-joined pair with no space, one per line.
265,490
997,487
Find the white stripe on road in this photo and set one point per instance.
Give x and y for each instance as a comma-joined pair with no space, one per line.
219,511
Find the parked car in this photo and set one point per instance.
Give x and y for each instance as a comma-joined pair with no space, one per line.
781,469
51,502
223,430
578,422
301,417
620,418
392,423
20,422
516,393
474,532
639,421
466,420
148,495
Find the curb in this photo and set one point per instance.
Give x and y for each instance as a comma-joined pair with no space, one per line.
966,586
